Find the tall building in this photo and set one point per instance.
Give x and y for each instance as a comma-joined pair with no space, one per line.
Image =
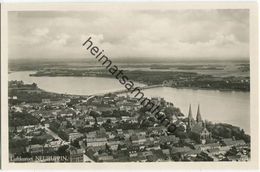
197,128
198,117
191,120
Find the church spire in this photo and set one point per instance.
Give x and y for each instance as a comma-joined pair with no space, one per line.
198,117
191,121
190,113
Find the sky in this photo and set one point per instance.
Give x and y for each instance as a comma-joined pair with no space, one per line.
146,34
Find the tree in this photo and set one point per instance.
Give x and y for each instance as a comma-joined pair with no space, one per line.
14,143
172,128
94,114
146,123
108,121
75,143
233,151
176,157
38,140
69,125
22,119
62,150
34,85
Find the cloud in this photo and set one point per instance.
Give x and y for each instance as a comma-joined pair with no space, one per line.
60,40
40,32
201,34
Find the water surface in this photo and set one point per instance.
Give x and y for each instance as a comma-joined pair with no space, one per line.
217,106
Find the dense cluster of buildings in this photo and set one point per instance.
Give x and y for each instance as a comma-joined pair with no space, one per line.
110,129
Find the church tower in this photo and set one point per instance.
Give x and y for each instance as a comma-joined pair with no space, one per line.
198,117
191,121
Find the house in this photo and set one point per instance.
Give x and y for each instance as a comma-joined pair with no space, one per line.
168,139
152,146
166,151
113,144
33,149
138,139
132,154
202,147
110,135
16,109
214,151
46,137
30,128
230,142
48,149
133,148
119,131
19,129
82,144
204,156
104,157
72,134
238,157
188,142
133,120
181,150
96,141
55,144
101,132
91,134
90,120
141,133
111,119
160,155
68,113
139,158
64,123
77,122
75,154
147,153
58,103
152,158
46,101
192,153
125,118
157,130
200,133
100,120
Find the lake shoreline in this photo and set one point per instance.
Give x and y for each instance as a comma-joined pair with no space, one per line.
192,88
229,106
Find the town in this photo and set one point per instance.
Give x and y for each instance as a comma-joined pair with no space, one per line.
50,127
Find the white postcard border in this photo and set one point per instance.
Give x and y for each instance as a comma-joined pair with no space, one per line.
254,108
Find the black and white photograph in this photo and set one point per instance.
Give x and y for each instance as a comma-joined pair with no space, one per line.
117,83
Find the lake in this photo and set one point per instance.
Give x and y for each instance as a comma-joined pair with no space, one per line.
217,106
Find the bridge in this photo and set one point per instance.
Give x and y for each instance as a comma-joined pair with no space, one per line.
116,91
127,91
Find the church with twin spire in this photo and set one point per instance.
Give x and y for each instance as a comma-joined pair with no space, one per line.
197,127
